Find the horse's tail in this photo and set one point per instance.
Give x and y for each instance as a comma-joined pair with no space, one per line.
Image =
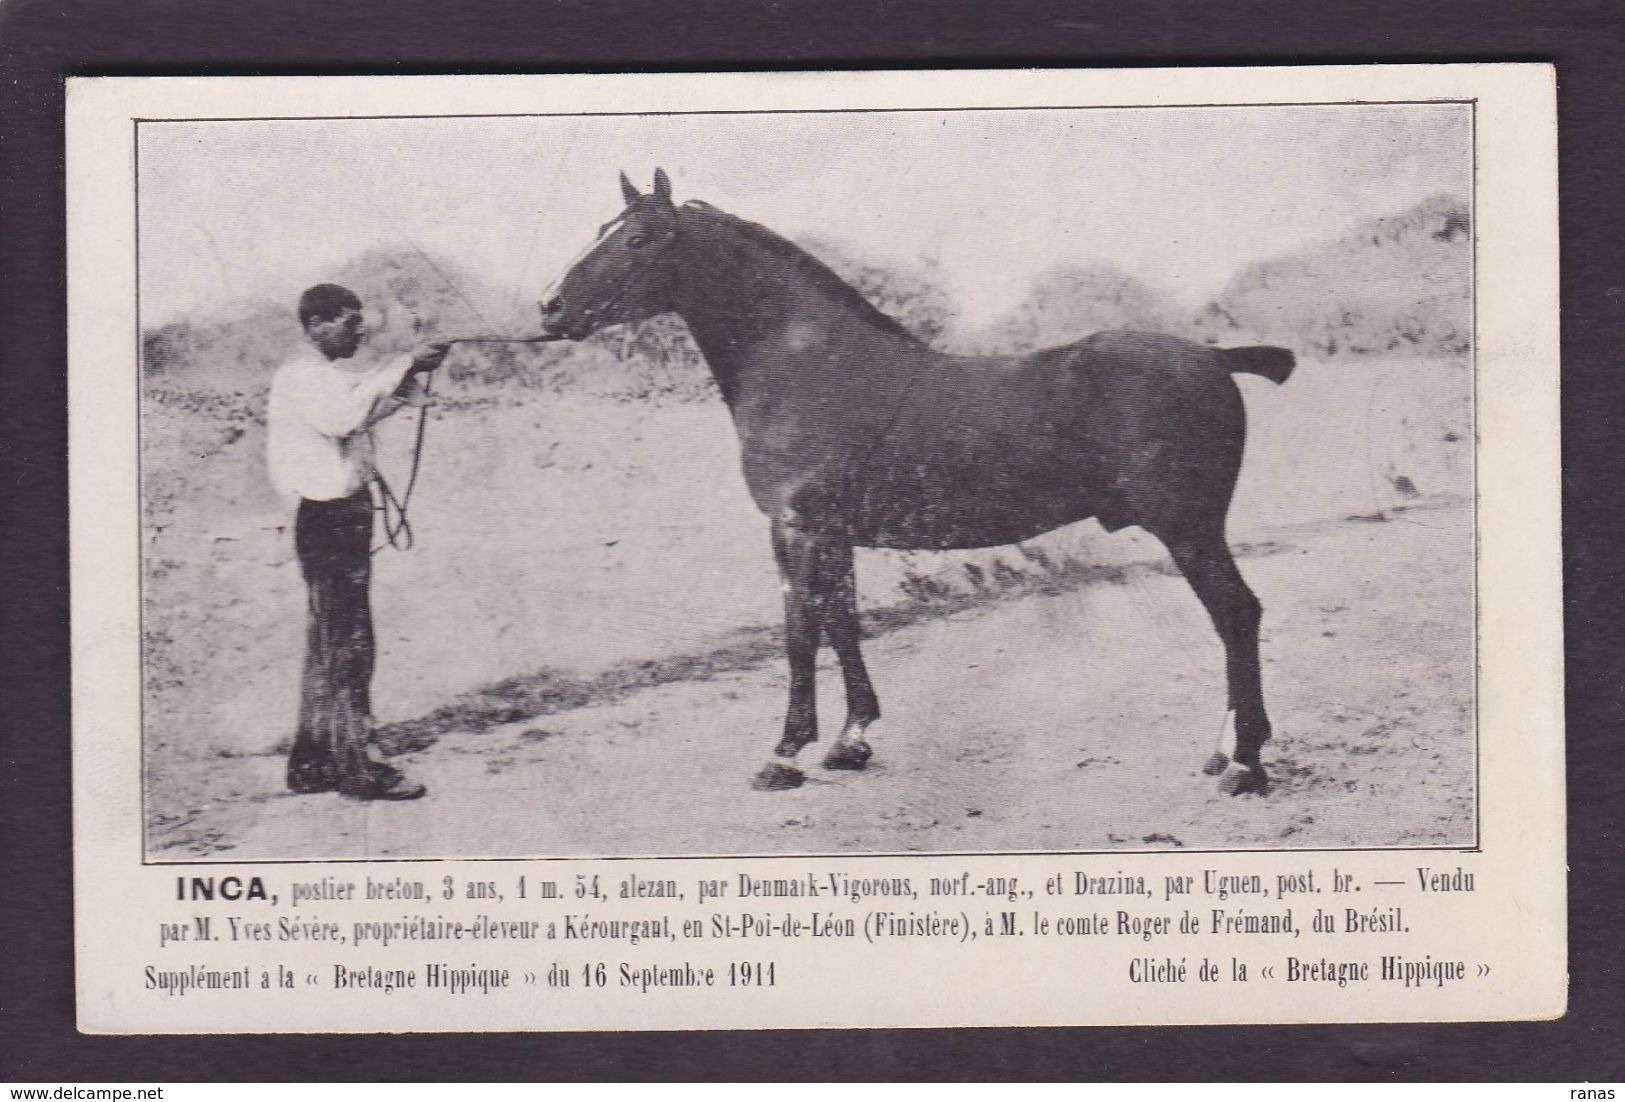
1274,364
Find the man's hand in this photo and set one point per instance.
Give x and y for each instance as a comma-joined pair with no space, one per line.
427,357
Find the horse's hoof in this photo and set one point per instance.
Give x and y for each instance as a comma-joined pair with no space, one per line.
776,776
848,755
1239,780
1216,764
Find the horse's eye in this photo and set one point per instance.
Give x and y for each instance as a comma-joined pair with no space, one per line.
637,241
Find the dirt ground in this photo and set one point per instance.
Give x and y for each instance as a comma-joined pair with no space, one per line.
581,655
1071,716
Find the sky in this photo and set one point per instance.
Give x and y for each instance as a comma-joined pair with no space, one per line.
237,213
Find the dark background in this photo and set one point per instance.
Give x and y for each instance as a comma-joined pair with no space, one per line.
42,41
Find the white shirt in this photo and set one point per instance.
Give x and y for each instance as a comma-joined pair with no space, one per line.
319,420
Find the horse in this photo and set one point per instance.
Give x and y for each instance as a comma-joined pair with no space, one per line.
853,433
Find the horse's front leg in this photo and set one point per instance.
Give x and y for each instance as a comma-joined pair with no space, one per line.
837,586
796,549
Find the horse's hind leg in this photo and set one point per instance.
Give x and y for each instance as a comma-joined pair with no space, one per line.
796,551
837,587
1205,560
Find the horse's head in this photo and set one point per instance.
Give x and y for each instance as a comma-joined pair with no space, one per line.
627,274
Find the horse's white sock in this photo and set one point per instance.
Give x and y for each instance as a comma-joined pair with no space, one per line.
1227,735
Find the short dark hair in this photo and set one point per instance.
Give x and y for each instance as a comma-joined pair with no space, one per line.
326,301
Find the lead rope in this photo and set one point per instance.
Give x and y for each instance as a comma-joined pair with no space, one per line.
398,533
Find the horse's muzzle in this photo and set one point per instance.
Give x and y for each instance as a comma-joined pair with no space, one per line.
557,327
553,318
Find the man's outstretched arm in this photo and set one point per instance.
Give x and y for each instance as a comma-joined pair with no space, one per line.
341,407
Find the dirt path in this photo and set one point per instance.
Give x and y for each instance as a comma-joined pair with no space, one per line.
1051,721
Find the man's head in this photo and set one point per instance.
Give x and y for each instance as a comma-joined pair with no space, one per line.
331,316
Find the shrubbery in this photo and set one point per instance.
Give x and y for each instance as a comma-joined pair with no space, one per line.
1398,284
1068,303
1394,285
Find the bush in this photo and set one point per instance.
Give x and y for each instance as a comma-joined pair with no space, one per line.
411,297
1069,302
1400,284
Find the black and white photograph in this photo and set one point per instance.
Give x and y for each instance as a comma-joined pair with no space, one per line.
775,550
1072,480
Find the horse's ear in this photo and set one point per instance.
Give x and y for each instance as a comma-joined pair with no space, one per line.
627,190
662,186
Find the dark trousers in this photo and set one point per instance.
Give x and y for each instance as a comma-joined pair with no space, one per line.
333,539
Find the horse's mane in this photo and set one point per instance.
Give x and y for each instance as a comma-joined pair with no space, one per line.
816,270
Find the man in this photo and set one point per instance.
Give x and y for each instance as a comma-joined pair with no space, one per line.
319,442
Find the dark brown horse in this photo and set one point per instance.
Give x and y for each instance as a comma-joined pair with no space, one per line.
855,434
